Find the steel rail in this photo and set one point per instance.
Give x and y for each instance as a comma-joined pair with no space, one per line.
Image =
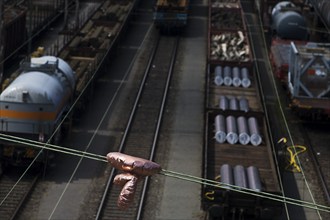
128,128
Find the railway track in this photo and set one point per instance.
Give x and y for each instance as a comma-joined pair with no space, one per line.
314,163
141,134
14,191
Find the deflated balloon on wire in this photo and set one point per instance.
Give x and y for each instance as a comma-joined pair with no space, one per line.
134,169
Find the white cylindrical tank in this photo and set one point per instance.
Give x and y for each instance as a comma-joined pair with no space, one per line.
38,95
288,24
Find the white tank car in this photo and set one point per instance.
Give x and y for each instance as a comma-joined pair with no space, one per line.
35,101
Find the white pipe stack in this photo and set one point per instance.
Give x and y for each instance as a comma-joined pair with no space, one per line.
220,129
246,82
255,137
232,136
227,76
223,103
243,131
226,175
236,77
218,80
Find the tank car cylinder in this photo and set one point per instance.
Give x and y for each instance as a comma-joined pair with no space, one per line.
243,131
220,129
246,82
236,77
226,175
218,79
227,76
240,178
232,136
233,103
244,105
255,137
223,102
254,178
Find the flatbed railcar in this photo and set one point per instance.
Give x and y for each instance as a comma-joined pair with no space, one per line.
233,155
170,16
34,103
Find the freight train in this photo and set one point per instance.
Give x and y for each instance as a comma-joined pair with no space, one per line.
27,18
36,102
238,151
170,16
301,65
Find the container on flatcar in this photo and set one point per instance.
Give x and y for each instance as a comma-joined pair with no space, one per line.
309,79
279,57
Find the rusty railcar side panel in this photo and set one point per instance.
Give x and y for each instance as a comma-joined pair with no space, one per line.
15,29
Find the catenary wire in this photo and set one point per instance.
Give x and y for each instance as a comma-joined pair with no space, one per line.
195,179
103,158
287,126
99,125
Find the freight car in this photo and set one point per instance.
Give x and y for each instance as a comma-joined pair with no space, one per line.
25,19
34,103
14,22
238,151
309,80
290,53
171,16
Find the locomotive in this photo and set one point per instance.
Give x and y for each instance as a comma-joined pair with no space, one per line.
171,15
33,105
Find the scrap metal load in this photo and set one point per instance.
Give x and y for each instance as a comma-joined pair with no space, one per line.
171,15
227,33
238,151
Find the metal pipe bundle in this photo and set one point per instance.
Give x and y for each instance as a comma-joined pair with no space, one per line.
226,175
232,136
254,178
240,178
246,82
220,129
255,137
218,80
233,103
223,103
243,131
236,77
244,105
227,76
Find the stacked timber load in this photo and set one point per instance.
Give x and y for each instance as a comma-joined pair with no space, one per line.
86,51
